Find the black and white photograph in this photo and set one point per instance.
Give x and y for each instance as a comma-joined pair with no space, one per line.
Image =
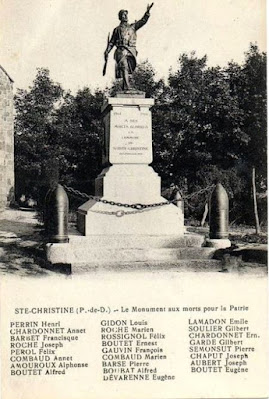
133,199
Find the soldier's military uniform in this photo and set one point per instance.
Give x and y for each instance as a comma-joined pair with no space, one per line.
124,38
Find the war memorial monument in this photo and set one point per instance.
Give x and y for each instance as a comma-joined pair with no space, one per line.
128,220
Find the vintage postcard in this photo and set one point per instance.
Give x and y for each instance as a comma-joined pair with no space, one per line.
133,199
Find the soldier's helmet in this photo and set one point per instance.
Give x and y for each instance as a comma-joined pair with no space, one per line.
121,12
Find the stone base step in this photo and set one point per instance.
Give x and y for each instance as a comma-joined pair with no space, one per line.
71,254
137,241
152,266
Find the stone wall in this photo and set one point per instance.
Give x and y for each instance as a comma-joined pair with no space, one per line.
6,140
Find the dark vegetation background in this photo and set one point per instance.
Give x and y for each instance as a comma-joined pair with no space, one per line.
208,123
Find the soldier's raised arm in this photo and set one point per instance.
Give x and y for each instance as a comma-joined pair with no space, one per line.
144,19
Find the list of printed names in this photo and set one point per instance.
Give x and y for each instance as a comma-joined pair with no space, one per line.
35,347
133,350
137,347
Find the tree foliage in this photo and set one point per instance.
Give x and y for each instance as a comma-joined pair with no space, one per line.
36,111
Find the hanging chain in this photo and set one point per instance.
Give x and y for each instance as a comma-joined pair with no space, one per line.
201,191
137,206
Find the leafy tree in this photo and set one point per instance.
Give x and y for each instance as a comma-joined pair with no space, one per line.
248,84
254,104
206,115
34,130
200,133
56,134
80,123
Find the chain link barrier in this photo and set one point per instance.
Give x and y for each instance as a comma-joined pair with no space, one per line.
78,194
197,193
137,206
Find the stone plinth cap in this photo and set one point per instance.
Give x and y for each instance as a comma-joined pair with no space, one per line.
120,102
130,94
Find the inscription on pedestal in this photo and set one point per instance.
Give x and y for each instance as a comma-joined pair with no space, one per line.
130,135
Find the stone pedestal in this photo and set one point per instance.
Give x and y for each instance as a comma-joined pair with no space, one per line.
127,177
115,234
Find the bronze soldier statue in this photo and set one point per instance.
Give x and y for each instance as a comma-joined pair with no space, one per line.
124,38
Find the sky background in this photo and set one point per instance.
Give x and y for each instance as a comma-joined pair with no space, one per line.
69,36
